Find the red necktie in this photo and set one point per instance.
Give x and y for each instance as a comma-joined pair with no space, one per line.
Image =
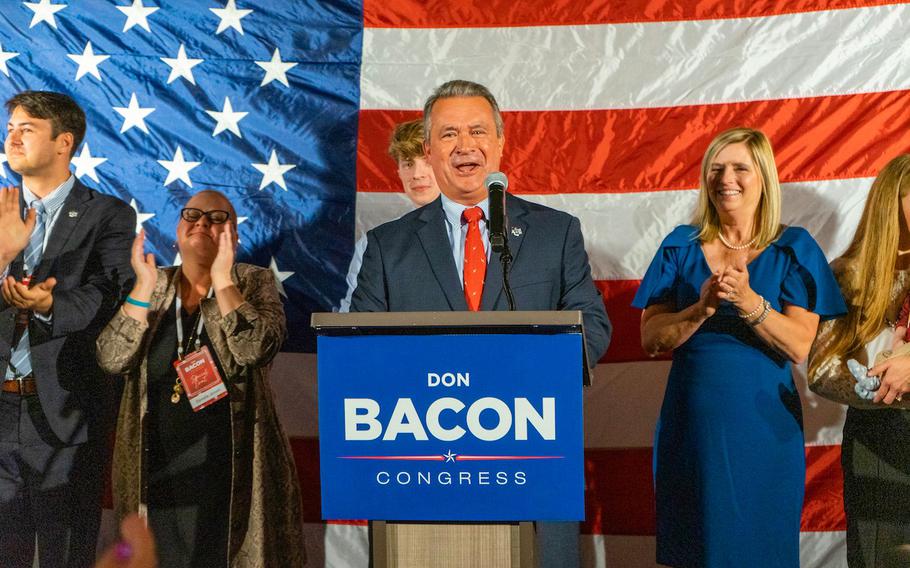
475,259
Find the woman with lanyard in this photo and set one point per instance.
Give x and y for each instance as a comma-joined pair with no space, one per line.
199,447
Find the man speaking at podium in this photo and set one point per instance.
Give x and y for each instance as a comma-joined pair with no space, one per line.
438,257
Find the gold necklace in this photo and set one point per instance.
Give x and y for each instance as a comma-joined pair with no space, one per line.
739,246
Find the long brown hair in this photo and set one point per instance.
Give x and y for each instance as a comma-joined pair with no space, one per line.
870,260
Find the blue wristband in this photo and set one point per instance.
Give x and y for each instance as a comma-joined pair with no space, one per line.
135,302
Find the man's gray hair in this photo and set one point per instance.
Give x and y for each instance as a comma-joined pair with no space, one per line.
461,88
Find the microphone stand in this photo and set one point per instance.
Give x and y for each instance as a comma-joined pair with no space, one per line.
500,244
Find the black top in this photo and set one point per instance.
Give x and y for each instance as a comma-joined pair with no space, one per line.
189,452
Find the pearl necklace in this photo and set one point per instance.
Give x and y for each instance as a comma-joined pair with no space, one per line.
736,247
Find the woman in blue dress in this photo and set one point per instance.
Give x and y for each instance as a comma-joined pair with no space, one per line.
737,297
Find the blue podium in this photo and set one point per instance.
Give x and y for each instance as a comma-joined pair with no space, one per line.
456,418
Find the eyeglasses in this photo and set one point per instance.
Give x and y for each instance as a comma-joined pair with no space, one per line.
215,216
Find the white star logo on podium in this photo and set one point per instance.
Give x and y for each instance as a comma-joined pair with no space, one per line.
227,119
44,12
86,163
273,172
181,66
140,217
178,168
137,15
450,457
88,62
280,277
4,57
230,17
134,115
2,167
275,69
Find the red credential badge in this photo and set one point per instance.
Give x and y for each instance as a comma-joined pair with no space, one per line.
200,379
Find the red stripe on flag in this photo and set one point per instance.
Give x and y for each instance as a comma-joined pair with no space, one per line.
306,456
823,508
652,149
619,491
506,13
625,344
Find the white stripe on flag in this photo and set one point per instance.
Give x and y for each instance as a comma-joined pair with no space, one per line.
645,64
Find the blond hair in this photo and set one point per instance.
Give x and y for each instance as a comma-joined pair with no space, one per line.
766,226
407,141
870,261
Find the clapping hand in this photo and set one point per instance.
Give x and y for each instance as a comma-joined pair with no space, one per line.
734,287
39,298
14,232
710,294
144,266
224,259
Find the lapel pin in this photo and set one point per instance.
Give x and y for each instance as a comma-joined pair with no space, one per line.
73,214
516,231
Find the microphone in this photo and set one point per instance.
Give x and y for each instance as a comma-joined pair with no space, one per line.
496,184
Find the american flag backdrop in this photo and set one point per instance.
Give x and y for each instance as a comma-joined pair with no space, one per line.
286,106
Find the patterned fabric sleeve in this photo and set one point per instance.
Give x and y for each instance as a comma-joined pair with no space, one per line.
256,329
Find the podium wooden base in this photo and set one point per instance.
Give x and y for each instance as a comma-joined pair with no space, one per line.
452,545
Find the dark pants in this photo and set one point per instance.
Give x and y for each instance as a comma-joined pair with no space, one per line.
47,489
876,460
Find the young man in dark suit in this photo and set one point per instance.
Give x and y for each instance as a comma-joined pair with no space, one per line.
64,259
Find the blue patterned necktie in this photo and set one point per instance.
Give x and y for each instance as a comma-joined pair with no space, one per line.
21,359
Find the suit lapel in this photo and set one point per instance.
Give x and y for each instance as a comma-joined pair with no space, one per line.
516,231
71,214
435,242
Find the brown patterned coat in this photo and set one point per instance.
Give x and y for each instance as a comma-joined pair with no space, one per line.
265,519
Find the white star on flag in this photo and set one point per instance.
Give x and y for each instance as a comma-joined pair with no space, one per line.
275,69
240,221
140,217
273,172
134,115
88,62
137,15
182,66
230,17
44,12
178,168
2,168
279,277
4,57
86,163
227,119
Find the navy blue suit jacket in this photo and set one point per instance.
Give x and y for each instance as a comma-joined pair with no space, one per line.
88,252
408,266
